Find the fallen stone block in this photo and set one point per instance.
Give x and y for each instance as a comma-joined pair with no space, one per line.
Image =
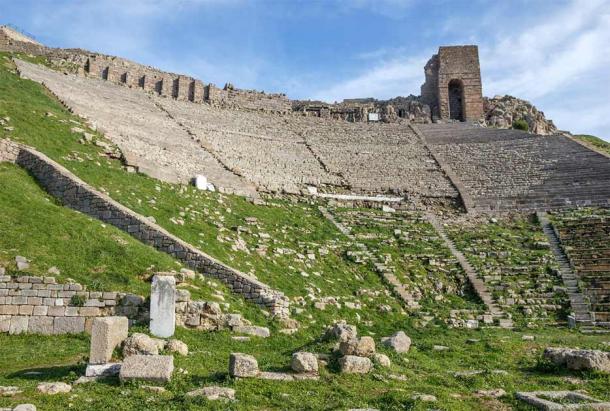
382,359
106,334
242,365
304,362
561,400
578,360
355,365
9,391
140,344
341,331
213,393
53,388
103,370
360,347
256,331
399,341
177,346
154,368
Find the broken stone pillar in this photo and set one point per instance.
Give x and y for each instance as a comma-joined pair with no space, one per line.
163,306
106,334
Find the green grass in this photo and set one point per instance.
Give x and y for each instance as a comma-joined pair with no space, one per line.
595,142
84,249
505,361
275,249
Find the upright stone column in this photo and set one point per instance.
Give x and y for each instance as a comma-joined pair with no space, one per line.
163,306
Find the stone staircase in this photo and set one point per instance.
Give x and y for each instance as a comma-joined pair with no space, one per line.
503,170
378,263
584,236
477,283
581,309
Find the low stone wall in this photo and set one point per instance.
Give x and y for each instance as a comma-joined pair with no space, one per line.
8,151
41,305
78,195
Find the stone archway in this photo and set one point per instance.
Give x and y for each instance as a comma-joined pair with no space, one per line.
456,100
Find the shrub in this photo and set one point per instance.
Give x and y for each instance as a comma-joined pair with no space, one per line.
521,125
77,300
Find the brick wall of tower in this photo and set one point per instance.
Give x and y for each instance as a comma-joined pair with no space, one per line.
454,63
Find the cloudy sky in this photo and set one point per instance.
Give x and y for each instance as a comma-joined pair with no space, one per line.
555,53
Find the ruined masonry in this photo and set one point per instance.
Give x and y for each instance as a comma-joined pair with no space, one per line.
78,195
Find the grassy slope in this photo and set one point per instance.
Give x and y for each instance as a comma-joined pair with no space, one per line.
595,142
291,226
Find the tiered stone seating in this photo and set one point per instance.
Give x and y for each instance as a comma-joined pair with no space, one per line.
514,170
287,153
585,238
515,262
407,251
240,149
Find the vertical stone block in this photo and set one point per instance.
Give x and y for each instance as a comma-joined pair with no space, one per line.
198,91
106,334
68,325
19,325
163,306
5,323
40,325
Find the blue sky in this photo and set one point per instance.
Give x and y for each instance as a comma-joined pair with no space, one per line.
555,53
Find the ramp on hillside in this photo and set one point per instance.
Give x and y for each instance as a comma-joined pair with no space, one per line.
503,170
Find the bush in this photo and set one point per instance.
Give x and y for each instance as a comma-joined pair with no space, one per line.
521,125
77,300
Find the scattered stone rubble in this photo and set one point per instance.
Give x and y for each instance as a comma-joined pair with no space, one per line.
304,366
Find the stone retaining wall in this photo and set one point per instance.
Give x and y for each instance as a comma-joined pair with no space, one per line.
40,305
76,194
8,151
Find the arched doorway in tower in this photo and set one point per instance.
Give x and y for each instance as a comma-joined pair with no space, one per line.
456,100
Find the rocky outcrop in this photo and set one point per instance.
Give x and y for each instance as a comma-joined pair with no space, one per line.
503,111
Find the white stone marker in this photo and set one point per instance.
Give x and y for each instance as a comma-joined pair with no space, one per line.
201,182
163,306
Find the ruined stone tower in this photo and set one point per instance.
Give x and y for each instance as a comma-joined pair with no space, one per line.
453,84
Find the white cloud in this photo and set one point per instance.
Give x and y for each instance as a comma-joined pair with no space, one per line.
388,79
